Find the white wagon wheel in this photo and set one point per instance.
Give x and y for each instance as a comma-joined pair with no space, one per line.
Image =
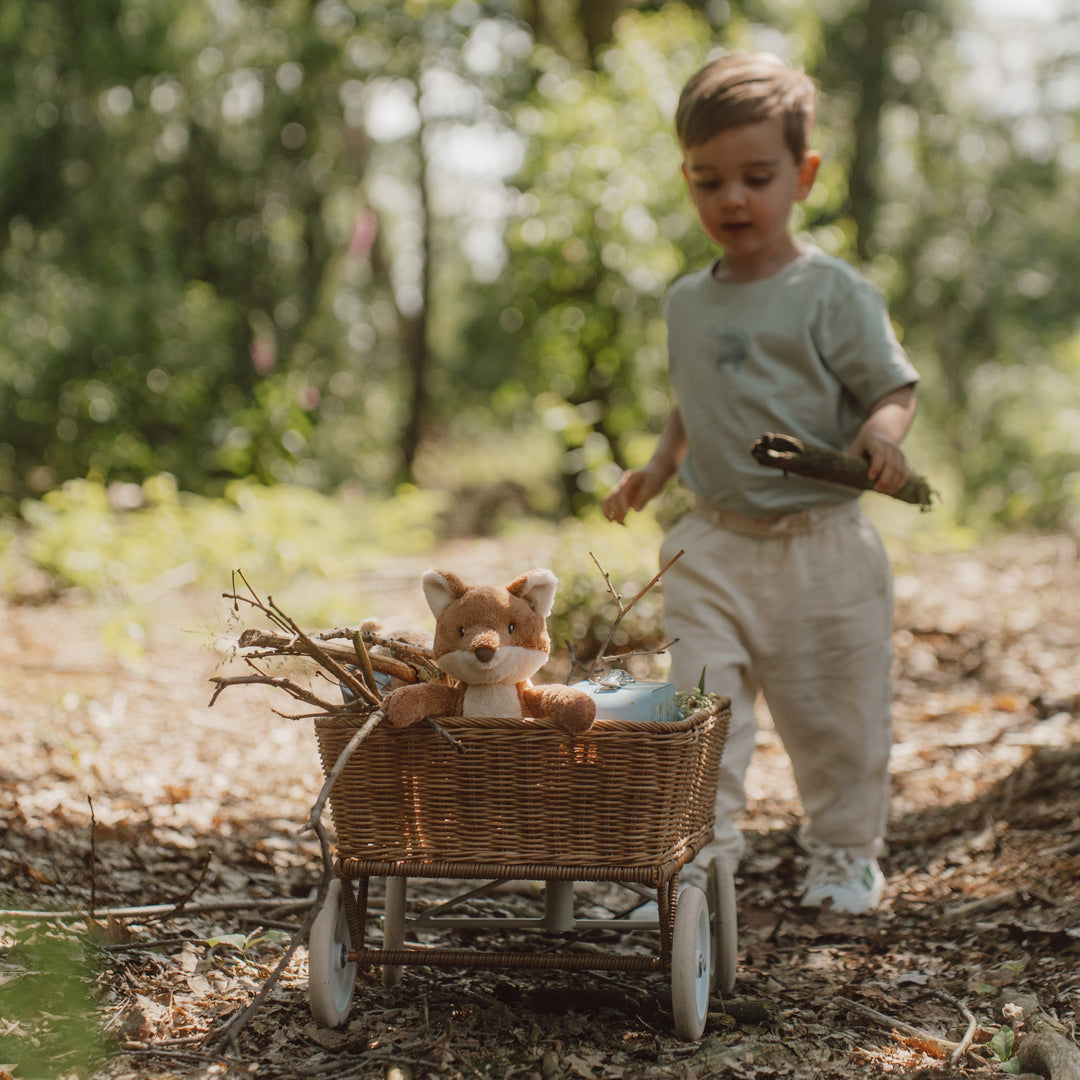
331,974
691,954
723,918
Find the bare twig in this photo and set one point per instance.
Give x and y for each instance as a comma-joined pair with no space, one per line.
228,1037
286,645
982,905
964,1046
230,1034
891,1023
608,657
254,600
278,681
93,855
445,735
365,664
148,910
319,654
182,903
623,609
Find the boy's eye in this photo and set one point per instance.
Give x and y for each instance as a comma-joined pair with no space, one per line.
758,181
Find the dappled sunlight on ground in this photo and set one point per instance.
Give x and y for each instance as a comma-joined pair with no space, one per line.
190,801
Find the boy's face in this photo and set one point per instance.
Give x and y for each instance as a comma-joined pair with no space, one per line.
744,181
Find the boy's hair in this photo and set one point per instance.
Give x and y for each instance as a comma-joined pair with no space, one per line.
744,88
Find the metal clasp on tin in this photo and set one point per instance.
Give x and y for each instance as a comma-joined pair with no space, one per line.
613,680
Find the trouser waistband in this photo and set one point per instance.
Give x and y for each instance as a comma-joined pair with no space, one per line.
796,523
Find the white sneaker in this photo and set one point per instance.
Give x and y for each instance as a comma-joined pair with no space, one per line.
846,882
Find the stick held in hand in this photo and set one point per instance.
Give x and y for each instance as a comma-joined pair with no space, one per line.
792,455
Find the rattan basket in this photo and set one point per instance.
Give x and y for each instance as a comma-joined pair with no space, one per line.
626,793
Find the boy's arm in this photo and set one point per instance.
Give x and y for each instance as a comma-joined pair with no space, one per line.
880,436
637,486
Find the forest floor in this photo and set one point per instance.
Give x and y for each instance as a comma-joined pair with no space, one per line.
120,788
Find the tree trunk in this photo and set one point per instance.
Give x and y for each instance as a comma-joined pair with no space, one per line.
414,325
1049,1054
597,21
862,181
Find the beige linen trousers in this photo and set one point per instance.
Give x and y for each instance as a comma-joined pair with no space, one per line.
800,607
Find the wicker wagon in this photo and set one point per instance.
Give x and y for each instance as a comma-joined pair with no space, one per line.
628,802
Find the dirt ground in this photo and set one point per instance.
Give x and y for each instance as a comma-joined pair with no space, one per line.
120,788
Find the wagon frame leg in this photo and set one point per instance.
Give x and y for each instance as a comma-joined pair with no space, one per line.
666,900
355,904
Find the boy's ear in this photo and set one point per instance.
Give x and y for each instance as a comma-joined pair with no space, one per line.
807,172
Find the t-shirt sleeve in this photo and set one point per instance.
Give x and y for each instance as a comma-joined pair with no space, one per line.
856,340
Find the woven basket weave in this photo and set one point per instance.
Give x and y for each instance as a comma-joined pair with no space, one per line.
626,793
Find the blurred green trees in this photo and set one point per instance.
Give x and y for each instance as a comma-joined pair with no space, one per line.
332,244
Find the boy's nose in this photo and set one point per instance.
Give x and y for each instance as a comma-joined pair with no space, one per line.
733,195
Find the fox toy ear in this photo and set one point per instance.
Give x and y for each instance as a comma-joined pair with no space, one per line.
537,589
441,589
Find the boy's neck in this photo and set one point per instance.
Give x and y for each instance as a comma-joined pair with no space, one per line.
742,271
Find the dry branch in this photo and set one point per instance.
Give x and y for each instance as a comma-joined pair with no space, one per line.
945,1046
228,1037
362,733
278,681
1041,1047
792,455
1049,1054
622,610
156,911
418,665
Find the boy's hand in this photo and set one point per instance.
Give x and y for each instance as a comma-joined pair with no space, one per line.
637,486
888,468
879,439
634,489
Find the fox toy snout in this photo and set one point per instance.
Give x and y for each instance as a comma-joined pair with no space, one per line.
484,646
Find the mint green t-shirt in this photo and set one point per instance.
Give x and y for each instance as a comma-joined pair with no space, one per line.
804,352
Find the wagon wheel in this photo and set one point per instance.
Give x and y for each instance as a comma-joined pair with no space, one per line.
394,927
723,919
691,953
331,974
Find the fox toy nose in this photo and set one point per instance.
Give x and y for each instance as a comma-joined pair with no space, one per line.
484,653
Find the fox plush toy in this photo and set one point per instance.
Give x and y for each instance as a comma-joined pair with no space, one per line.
492,640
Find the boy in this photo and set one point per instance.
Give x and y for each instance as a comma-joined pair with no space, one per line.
784,587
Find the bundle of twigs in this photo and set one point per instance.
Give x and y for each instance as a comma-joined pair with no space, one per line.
350,658
792,455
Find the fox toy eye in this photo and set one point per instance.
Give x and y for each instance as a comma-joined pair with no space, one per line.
461,631
511,630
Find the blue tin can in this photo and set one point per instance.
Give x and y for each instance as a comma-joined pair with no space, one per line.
619,696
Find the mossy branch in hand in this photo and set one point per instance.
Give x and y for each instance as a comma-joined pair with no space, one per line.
792,455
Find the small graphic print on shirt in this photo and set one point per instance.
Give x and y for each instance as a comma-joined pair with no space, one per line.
730,347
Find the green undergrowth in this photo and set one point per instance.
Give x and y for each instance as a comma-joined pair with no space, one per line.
289,540
130,547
